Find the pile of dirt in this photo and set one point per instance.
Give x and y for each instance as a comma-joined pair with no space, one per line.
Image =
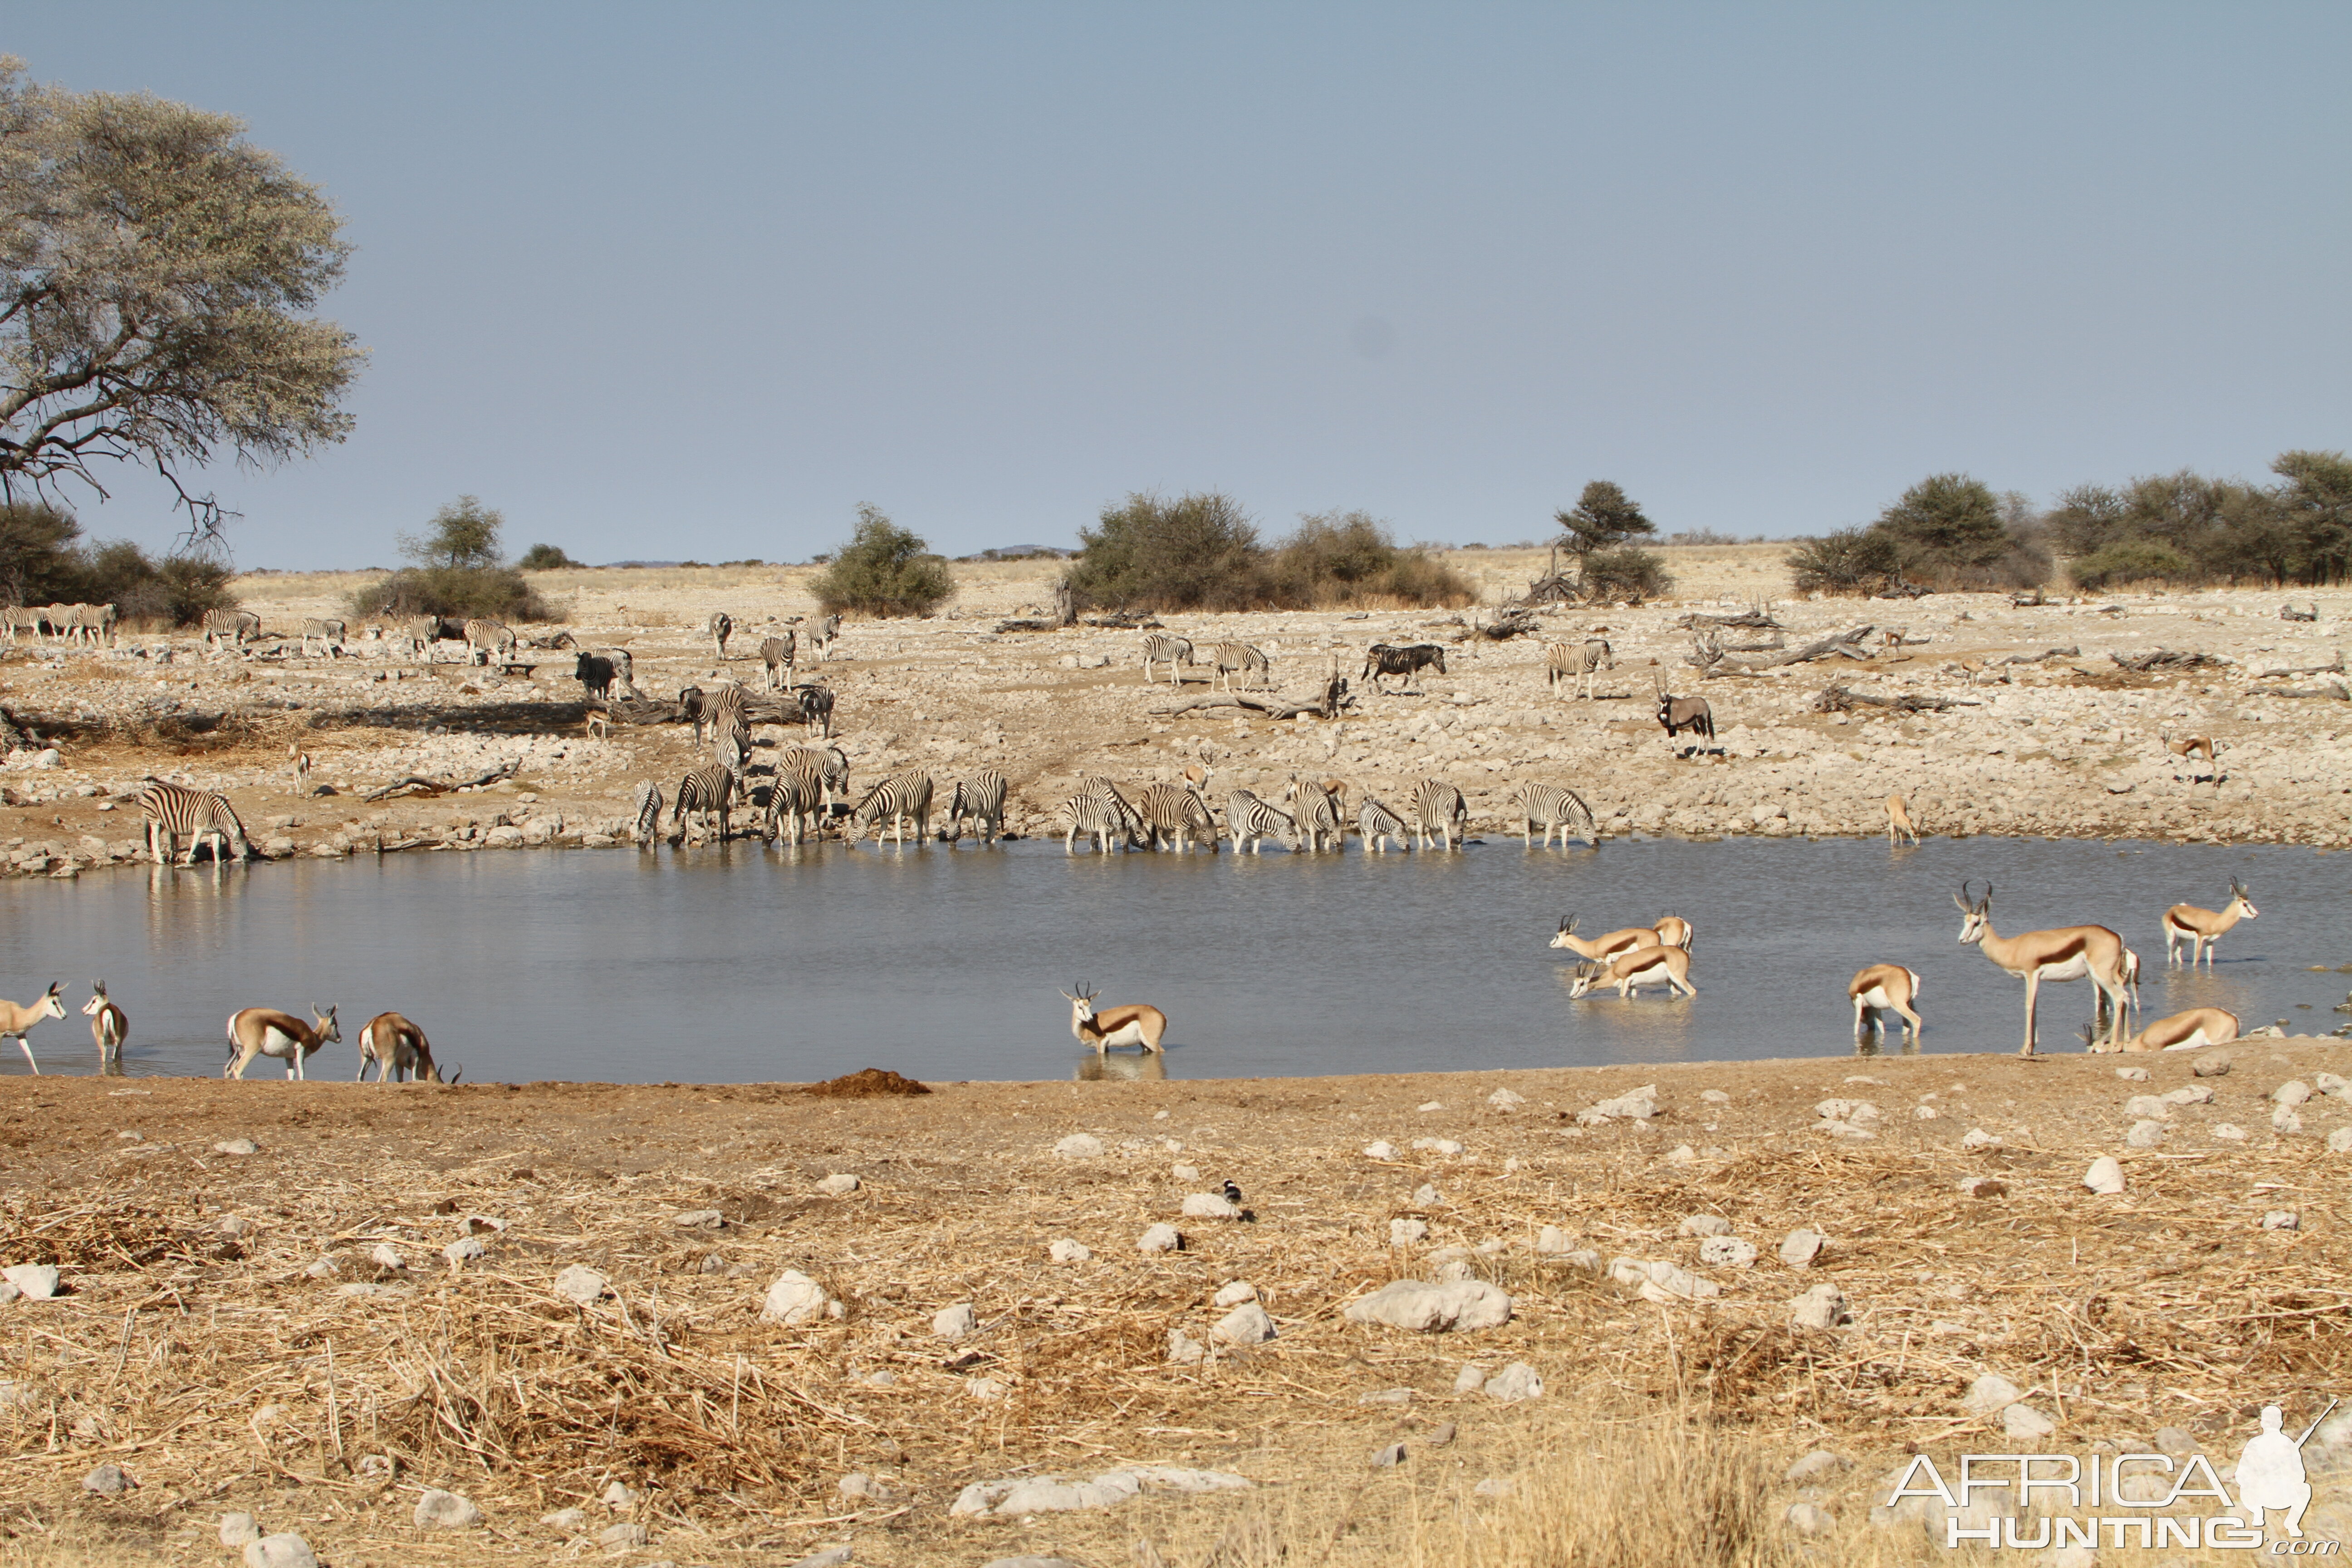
865,1082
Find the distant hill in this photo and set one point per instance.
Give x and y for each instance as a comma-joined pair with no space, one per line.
1021,553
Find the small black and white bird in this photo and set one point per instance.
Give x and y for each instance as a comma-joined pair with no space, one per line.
1233,1194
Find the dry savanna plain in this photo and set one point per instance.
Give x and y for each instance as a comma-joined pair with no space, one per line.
1692,1314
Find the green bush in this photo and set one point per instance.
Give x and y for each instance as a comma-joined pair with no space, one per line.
545,558
1859,561
1626,573
460,593
2130,560
1336,560
1199,552
884,570
43,562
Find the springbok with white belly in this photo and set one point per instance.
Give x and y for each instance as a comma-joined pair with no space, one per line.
399,1050
1629,972
2201,929
2067,953
1883,987
16,1020
1130,1024
2182,1031
266,1032
1600,949
107,1026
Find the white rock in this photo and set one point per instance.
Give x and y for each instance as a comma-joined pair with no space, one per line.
34,1281
1460,1305
1233,1293
840,1184
2340,1141
1516,1381
955,1321
233,1226
1381,1149
1800,1247
324,1268
2213,1067
859,1486
1470,1379
2228,1132
2148,1105
438,1509
1924,1113
1210,1205
1633,1105
2132,1075
571,1521
1447,1147
1161,1237
464,1248
794,1299
1504,1100
1990,1392
287,1549
1185,1173
2330,1083
1552,1239
985,1388
1247,1324
2105,1176
1809,1518
1823,1307
1493,1486
580,1285
8,1293
1978,1137
2024,1423
108,1480
1727,1252
2284,1120
2145,1134
387,1256
361,1291
236,1529
831,1557
236,1146
1430,1105
699,1219
1670,1282
1079,1146
1715,1096
1706,1225
1183,1350
1821,1465
1405,1232
1068,1251
626,1536
1425,1196
1855,1111
2188,1094
2293,1092
2281,1219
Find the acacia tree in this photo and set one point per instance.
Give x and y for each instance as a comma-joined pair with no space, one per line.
1603,518
157,278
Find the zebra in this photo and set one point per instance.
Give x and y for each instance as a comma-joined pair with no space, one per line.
777,654
732,749
488,639
1557,808
624,666
1382,660
170,810
832,769
691,705
328,631
704,790
979,797
1229,656
1577,664
722,628
647,826
1440,812
1170,650
1376,824
795,802
23,618
900,799
95,621
419,632
821,635
1094,784
239,626
816,707
1249,820
1317,814
1101,818
1176,813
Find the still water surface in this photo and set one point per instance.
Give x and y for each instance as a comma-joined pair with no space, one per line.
745,966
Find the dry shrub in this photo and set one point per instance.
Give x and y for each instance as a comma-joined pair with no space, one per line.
864,1082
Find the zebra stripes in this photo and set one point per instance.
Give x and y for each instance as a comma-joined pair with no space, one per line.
1249,820
329,633
795,803
832,769
776,654
732,750
1376,824
647,826
239,626
171,810
1577,664
979,797
1439,812
1316,813
900,799
704,792
722,627
821,635
487,639
1168,650
1175,814
723,716
1231,656
816,708
1130,819
1101,818
1558,809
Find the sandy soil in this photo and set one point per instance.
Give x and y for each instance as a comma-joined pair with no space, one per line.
2071,745
225,1337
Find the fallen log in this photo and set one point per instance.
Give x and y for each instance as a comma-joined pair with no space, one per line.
429,787
2334,692
1268,703
2047,654
1712,659
1517,623
1026,626
2334,667
1834,699
2165,658
2289,613
1745,620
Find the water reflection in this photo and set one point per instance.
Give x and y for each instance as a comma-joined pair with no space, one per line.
1143,1067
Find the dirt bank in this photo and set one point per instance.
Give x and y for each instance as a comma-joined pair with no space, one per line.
2064,745
226,1336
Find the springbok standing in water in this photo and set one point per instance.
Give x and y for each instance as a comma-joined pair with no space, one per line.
107,1026
2201,929
1883,987
1130,1024
16,1020
2067,953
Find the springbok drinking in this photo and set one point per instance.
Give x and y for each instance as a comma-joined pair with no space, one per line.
1883,987
266,1032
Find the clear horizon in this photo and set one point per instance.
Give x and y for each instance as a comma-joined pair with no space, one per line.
691,285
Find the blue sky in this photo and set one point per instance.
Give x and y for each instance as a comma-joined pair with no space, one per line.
693,281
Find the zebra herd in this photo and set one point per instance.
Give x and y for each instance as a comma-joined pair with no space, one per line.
76,624
1225,661
1177,816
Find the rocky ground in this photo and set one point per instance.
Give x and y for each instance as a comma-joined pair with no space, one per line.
780,1324
2068,744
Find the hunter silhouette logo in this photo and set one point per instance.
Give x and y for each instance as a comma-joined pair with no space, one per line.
2125,1499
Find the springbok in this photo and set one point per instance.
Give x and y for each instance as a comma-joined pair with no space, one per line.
107,1026
2201,929
1899,821
2067,953
1675,932
1600,950
16,1020
2190,746
1629,972
1883,987
399,1049
297,762
2180,1032
1130,1024
266,1032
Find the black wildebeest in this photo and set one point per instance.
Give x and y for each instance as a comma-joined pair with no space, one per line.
1407,663
1681,713
595,672
816,707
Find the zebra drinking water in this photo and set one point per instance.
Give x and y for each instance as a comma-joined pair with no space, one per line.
1175,814
171,810
795,802
1557,808
900,799
1101,818
832,769
1316,813
979,797
1439,812
647,826
704,792
1376,824
1249,820
1159,648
